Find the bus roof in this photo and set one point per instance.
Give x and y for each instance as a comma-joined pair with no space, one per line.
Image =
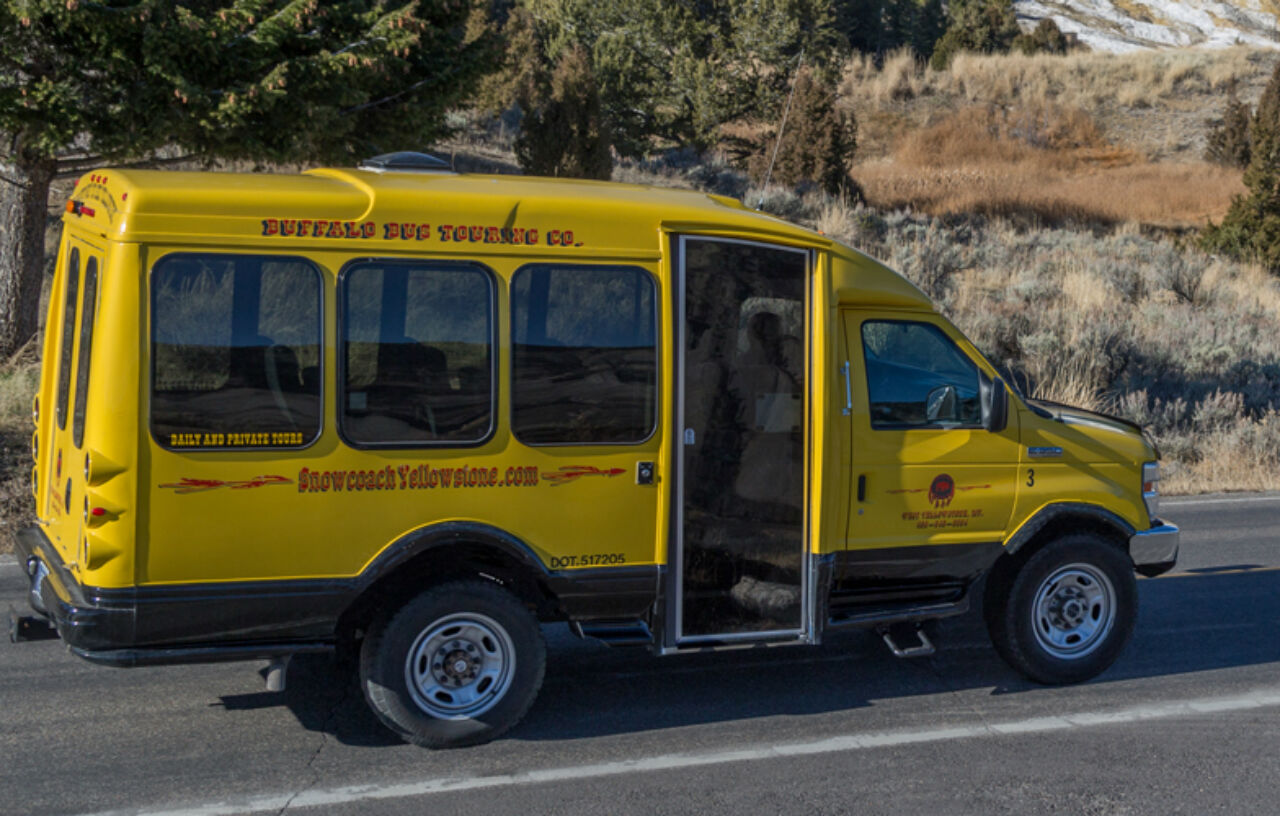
349,209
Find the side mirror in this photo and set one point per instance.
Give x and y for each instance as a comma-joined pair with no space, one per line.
995,404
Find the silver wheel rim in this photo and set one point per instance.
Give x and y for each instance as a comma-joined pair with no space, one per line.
1074,611
460,666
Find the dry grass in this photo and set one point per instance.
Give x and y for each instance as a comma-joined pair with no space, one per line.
1082,80
1043,162
1152,102
19,378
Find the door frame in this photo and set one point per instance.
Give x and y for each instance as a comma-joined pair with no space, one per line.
674,638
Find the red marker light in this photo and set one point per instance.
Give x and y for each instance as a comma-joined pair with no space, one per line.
98,511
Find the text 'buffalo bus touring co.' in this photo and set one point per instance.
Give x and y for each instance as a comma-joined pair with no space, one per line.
407,415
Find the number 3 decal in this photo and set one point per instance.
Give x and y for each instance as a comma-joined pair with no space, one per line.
1031,478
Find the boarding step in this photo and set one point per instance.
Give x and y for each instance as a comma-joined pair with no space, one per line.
893,634
615,633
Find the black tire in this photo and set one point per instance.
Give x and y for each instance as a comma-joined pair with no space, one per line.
1064,613
477,663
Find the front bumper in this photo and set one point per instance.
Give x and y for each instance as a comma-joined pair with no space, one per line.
1154,551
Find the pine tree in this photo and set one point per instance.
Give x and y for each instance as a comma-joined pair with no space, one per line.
285,80
880,26
674,71
817,145
562,133
1251,227
982,26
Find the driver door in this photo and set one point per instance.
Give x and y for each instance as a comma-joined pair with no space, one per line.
925,471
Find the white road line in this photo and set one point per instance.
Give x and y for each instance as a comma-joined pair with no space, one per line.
329,797
1168,501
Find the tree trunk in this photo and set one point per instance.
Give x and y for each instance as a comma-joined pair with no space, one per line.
24,210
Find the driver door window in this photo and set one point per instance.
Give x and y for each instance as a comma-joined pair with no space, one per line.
918,378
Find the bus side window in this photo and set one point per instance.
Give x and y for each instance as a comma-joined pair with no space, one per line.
584,355
233,337
417,350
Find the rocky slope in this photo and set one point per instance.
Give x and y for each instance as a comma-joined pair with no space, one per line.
1128,25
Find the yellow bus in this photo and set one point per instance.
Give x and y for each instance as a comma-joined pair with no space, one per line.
407,415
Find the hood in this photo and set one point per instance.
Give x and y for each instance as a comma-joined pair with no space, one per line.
1073,415
1089,429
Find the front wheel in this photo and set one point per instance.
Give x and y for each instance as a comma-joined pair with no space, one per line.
457,665
1066,612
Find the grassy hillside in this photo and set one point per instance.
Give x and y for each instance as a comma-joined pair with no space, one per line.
1102,139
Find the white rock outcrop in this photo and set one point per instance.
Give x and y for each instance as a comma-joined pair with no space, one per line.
1131,25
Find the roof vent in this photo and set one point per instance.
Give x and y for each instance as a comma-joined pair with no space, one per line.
406,162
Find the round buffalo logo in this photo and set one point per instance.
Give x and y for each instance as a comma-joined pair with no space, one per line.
942,490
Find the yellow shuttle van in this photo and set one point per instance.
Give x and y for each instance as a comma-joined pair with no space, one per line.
408,415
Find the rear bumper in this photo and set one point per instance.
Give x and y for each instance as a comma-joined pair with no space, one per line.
55,594
102,625
1154,551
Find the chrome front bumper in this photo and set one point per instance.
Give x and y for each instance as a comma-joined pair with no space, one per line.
1154,551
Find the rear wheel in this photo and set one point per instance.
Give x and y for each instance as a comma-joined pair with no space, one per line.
457,665
1064,614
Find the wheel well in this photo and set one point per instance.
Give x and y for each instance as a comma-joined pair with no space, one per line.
1066,524
436,565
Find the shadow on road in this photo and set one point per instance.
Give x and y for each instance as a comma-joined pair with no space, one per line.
1187,623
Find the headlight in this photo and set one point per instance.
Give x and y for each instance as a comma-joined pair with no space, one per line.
1151,488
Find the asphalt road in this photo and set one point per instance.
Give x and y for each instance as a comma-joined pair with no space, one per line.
1188,721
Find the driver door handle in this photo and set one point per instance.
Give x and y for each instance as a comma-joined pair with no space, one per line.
848,390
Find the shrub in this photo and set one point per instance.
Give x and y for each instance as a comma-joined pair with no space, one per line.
1046,38
1228,142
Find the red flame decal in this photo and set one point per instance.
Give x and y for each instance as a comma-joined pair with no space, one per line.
187,485
574,472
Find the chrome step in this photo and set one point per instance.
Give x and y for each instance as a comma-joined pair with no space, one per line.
923,648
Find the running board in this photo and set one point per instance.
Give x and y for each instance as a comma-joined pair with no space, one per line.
614,633
882,616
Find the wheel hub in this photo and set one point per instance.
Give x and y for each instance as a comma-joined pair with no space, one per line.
457,663
1074,610
460,666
